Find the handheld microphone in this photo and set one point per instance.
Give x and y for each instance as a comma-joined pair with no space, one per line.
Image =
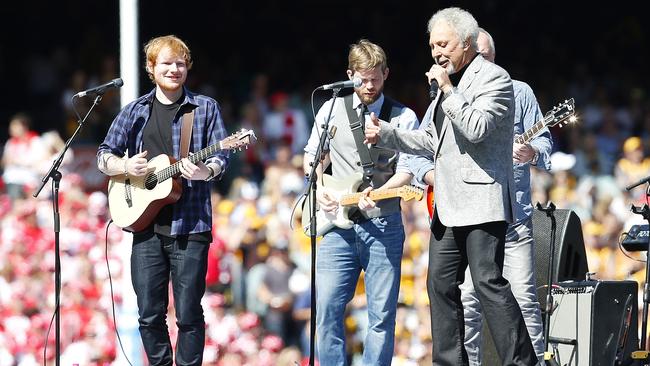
433,88
354,83
115,83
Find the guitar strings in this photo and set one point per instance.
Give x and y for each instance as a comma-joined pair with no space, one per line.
171,170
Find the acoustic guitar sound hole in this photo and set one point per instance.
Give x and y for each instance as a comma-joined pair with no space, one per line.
151,182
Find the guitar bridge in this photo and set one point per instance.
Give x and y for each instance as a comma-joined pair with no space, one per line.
127,193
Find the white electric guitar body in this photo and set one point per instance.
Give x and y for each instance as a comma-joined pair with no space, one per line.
345,192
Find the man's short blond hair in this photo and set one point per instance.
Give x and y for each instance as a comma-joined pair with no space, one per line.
365,55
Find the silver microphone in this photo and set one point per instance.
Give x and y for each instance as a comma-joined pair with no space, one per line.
115,83
354,83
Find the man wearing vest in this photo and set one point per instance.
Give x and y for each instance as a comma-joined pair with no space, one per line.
374,243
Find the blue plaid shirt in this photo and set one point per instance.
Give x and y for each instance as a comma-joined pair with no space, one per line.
193,211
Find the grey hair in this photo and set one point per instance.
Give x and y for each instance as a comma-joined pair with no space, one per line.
461,20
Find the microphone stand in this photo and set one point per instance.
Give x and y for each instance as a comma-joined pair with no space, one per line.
310,194
643,354
56,179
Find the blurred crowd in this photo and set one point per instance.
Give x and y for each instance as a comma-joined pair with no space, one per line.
257,305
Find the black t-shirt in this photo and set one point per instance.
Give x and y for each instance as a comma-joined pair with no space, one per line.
157,134
156,140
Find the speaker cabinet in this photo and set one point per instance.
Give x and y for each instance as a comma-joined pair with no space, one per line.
569,262
600,316
569,256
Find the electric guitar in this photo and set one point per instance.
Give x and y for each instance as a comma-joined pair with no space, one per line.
560,115
134,201
345,191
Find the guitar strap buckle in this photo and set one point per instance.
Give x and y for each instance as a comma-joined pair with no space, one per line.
355,125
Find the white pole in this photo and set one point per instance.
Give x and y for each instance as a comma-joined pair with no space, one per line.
127,315
129,51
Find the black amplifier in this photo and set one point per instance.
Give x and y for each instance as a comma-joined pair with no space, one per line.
594,323
636,239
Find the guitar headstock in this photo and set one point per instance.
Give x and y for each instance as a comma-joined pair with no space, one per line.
239,139
408,193
560,114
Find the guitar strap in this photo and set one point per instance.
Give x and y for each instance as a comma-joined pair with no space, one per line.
357,127
186,133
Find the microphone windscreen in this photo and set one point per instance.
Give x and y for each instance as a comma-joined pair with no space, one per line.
433,89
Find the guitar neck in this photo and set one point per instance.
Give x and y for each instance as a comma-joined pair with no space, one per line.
353,198
201,155
530,133
560,113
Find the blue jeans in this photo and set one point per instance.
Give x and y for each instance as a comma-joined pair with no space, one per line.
154,260
519,270
375,246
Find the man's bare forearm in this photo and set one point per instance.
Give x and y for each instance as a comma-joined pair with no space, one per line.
111,164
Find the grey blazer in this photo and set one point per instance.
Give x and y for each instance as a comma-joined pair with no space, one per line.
474,182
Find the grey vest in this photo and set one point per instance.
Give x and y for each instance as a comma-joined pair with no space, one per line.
345,158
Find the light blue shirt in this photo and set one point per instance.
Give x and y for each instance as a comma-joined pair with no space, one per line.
406,119
527,113
342,148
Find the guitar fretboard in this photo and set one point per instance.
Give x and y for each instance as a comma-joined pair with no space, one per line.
174,169
531,132
353,198
558,115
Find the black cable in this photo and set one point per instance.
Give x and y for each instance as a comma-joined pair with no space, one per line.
110,280
47,334
303,196
56,310
622,238
74,108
